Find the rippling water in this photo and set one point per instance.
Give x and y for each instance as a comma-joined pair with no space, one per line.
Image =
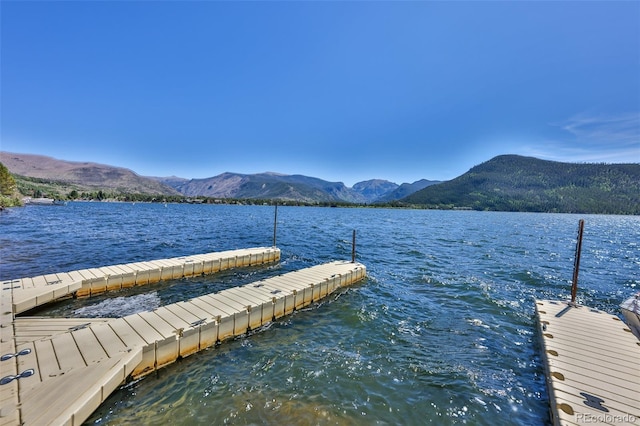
441,332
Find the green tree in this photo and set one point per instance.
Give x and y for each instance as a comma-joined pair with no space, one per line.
7,182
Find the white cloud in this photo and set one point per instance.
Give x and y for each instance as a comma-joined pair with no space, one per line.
601,131
594,138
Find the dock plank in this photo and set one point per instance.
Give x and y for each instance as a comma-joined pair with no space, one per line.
47,361
85,389
36,291
591,365
108,340
89,358
67,352
88,345
9,393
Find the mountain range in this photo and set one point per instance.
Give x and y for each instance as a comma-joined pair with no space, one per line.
503,183
87,176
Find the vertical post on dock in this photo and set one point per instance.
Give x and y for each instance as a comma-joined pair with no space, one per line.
576,263
353,248
275,224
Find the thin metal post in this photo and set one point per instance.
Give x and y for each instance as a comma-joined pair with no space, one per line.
576,264
353,248
275,224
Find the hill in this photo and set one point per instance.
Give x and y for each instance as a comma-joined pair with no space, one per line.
38,175
516,183
38,171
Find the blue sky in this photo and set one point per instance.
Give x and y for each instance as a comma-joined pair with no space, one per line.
343,91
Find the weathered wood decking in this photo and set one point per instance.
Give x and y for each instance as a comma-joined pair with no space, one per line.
592,363
58,371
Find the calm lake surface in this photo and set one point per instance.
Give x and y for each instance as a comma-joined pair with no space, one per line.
442,330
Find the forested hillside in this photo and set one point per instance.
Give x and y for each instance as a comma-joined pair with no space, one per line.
516,183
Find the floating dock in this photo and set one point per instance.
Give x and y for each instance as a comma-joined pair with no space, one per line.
59,370
29,293
592,365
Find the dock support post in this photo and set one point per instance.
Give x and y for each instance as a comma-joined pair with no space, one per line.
275,224
353,248
576,264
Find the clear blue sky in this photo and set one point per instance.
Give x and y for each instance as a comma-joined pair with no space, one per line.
343,91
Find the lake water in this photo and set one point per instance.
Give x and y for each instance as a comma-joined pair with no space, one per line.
442,330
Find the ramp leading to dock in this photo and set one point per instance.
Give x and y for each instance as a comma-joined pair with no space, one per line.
58,371
592,363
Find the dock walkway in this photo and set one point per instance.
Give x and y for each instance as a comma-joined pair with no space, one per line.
59,370
592,363
28,293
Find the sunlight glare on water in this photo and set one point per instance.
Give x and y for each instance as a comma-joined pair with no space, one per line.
441,331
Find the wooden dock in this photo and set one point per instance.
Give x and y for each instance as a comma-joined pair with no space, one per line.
28,293
58,371
592,363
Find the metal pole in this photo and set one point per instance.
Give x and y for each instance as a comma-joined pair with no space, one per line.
275,224
576,264
353,248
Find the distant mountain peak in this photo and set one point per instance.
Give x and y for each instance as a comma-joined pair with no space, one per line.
267,185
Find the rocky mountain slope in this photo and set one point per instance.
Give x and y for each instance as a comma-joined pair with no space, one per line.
405,190
92,176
